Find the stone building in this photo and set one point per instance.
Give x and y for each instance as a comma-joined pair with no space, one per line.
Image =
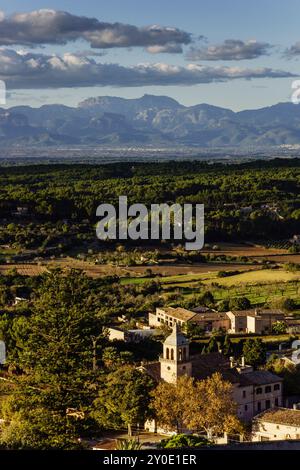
207,319
259,321
276,424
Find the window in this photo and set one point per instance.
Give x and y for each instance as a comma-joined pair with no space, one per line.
172,354
167,353
276,402
246,407
268,389
180,354
258,406
244,394
259,391
268,404
277,387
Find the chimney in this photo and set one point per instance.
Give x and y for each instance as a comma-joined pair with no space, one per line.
231,359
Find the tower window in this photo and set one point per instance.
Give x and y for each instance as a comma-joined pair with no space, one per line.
167,353
180,354
172,354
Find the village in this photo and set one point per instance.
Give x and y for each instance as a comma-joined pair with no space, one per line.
262,404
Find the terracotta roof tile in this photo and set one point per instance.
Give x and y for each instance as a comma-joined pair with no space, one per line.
285,416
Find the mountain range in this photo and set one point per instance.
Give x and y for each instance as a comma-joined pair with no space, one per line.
149,120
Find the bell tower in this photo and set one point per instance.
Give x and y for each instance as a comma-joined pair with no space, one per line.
175,360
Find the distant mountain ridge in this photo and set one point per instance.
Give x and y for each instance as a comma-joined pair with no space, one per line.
149,120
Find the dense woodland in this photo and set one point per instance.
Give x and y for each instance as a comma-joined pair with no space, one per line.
61,200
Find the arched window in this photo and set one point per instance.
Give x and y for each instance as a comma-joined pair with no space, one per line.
167,353
180,354
172,354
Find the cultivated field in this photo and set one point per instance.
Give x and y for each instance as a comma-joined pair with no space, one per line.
258,284
23,269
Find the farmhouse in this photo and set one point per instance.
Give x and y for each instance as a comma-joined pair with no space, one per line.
258,321
203,317
253,391
130,336
276,424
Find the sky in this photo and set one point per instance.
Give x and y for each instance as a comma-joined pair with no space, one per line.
230,53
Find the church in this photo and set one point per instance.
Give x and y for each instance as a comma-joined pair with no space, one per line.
253,390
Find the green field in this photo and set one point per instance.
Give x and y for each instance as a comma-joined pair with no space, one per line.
255,277
259,286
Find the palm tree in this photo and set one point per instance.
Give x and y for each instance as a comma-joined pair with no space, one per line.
128,444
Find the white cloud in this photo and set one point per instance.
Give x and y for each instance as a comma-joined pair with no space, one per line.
293,51
20,70
230,49
59,27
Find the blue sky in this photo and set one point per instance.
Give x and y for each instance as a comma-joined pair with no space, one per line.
275,23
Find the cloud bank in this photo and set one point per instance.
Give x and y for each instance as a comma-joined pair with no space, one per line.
21,70
59,27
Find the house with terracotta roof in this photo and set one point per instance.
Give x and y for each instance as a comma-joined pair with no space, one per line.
207,319
276,424
258,321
